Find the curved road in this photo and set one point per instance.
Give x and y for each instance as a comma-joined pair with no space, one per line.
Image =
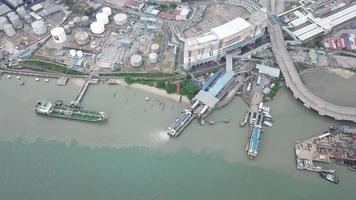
295,84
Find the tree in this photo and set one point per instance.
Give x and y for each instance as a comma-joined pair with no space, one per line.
171,88
161,84
88,11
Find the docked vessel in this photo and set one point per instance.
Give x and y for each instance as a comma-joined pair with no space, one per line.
61,110
329,177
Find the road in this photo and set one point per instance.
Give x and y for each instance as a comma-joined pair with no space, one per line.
295,84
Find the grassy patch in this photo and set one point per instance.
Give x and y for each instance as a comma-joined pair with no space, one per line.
275,89
141,75
302,66
167,7
158,38
189,89
45,65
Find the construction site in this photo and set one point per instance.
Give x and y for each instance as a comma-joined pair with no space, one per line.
337,143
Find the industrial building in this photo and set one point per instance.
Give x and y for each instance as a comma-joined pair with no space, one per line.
305,23
223,39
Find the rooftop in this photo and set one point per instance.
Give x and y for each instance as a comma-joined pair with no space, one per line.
230,28
221,82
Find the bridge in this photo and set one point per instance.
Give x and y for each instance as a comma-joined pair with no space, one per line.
295,84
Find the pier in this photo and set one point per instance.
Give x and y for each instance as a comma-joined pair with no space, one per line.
81,93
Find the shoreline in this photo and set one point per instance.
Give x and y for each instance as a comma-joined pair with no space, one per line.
157,91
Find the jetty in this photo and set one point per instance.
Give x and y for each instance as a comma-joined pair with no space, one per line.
81,93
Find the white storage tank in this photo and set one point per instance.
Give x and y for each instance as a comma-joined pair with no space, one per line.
97,27
81,38
72,53
3,21
120,19
16,21
59,35
21,11
77,20
9,30
71,24
102,17
67,29
155,48
85,21
153,58
39,27
136,60
107,11
80,54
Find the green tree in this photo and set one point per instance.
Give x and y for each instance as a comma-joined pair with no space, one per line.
171,88
88,11
128,80
161,84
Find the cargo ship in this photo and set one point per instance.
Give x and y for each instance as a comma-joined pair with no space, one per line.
329,177
61,110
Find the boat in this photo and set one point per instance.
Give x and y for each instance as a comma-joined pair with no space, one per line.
8,76
37,79
22,83
329,177
61,110
18,77
46,80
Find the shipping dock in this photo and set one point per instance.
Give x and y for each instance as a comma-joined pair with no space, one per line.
215,88
72,111
337,143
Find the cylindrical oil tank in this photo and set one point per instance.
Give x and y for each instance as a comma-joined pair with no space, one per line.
39,27
3,21
76,20
72,53
136,60
16,21
71,24
9,30
97,27
153,58
102,17
67,29
21,11
27,19
107,11
80,54
155,48
58,35
81,38
120,19
84,21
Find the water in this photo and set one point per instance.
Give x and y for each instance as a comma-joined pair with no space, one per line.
130,156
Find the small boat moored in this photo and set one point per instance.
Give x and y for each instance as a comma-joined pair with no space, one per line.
8,76
37,79
46,80
18,77
329,177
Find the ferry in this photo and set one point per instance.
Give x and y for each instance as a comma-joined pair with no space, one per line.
61,110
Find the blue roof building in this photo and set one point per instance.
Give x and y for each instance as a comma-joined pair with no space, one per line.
221,82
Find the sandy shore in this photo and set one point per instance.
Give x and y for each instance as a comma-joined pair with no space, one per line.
157,91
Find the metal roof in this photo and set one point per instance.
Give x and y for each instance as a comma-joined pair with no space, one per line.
206,98
230,28
270,71
4,9
221,82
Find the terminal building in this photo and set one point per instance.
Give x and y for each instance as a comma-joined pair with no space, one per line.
225,38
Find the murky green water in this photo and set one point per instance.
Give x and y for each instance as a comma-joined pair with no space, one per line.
130,156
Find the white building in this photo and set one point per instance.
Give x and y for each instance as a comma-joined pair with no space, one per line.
224,38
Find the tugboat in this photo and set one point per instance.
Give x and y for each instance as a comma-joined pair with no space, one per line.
329,177
61,110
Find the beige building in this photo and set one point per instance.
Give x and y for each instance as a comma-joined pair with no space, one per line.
222,39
